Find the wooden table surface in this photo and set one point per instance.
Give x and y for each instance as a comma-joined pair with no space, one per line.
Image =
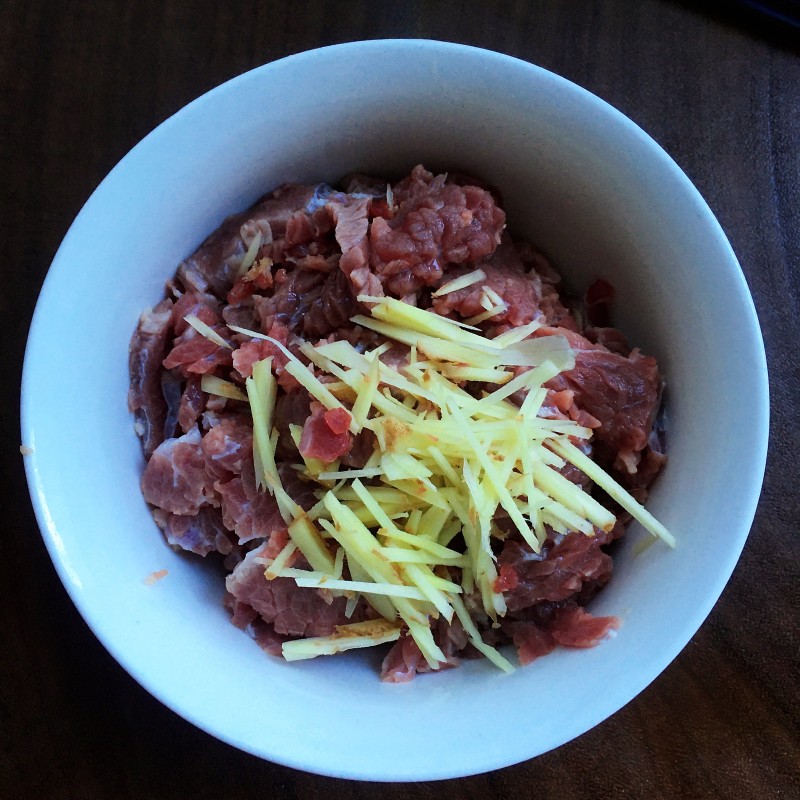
81,83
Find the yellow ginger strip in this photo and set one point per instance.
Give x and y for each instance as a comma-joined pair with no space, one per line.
366,394
404,314
387,375
390,530
432,521
211,384
346,637
350,606
469,531
457,372
250,255
461,282
357,540
348,474
412,325
530,380
338,563
474,636
305,535
503,495
515,335
364,515
360,544
422,543
301,373
407,555
383,605
569,518
280,561
442,349
261,411
412,523
613,489
430,588
419,491
344,355
532,405
411,318
485,570
493,297
490,313
206,331
399,466
572,496
314,387
386,589
446,467
383,495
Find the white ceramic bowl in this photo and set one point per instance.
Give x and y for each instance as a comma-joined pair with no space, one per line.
578,178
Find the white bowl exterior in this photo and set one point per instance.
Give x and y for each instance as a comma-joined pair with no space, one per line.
584,183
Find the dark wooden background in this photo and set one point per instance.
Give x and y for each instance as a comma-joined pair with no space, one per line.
717,86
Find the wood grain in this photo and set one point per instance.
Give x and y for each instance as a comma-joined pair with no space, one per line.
80,83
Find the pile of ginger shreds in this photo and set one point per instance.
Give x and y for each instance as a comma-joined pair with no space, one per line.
446,463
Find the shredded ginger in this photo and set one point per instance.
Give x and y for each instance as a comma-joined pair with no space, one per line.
446,467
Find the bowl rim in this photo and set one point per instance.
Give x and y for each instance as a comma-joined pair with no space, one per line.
759,389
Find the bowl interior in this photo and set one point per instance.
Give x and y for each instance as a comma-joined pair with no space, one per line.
582,182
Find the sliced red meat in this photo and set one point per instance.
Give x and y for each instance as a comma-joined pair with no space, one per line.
610,338
436,224
228,445
531,640
250,513
248,353
576,627
171,390
331,305
247,619
175,477
242,314
204,306
257,279
291,298
215,264
405,660
649,462
292,611
191,404
291,408
597,303
266,638
352,225
258,349
402,662
621,393
145,398
194,354
338,420
319,249
320,441
202,533
557,572
506,579
363,447
242,614
525,295
300,230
